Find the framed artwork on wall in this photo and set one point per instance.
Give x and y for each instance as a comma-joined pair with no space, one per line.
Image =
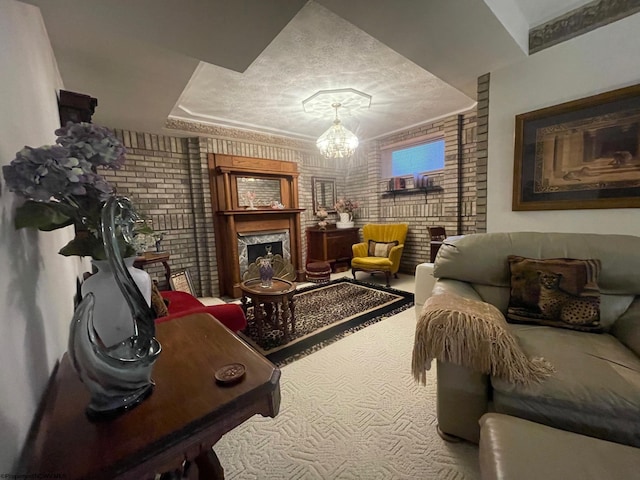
580,154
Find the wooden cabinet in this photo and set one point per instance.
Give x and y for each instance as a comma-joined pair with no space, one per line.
332,245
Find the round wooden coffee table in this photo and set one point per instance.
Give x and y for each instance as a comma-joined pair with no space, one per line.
273,305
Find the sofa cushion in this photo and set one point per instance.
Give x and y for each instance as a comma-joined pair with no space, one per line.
594,391
559,292
512,448
381,249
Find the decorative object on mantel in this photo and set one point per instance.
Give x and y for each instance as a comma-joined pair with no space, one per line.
322,214
276,205
346,209
251,196
337,141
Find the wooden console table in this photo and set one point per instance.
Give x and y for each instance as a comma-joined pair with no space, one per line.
332,245
183,418
149,258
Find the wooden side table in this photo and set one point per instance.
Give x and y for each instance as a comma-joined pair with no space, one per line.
277,301
332,245
185,415
149,258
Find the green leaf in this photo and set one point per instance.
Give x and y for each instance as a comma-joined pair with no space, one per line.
84,246
40,215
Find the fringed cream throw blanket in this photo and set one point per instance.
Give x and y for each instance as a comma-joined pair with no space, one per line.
473,334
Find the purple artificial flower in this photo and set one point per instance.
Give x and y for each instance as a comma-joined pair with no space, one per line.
41,173
93,143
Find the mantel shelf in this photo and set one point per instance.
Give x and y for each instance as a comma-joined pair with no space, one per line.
409,191
261,211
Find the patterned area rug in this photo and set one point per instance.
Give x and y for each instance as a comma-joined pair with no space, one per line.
326,313
351,411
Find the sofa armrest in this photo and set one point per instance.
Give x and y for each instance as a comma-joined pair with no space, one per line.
424,282
456,287
360,249
463,397
627,327
230,315
180,301
463,394
426,286
394,255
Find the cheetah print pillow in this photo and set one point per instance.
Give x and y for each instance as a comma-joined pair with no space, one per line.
558,292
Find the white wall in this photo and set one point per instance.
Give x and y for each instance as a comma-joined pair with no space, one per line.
36,284
599,61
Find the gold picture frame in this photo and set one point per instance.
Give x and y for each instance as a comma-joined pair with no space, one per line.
581,154
180,281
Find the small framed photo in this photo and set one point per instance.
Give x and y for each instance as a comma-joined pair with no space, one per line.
181,281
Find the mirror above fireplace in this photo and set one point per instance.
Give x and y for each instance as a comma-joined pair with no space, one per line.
266,190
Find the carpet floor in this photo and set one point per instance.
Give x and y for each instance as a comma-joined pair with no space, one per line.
324,314
351,411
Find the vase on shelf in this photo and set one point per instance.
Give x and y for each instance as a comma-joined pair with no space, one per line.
251,205
346,220
322,225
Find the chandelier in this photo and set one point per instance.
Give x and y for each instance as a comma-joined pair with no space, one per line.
337,141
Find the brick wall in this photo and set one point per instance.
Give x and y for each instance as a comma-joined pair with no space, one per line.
437,208
482,154
156,177
168,180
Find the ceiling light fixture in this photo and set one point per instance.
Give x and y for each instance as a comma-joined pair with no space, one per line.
337,142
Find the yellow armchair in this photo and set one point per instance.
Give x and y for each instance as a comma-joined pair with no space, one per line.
381,250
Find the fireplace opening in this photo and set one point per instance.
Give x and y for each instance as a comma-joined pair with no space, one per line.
252,245
261,249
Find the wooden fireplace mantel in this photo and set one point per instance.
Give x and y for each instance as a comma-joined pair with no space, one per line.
261,211
231,219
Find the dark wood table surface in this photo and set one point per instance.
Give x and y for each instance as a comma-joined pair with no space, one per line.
185,415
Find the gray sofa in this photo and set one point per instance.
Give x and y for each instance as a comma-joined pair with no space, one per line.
595,390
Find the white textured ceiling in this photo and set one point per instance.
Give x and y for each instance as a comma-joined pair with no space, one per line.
251,63
318,50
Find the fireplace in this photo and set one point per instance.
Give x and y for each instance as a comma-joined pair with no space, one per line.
242,234
252,245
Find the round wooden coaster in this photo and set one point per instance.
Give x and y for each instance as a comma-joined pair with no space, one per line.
230,373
